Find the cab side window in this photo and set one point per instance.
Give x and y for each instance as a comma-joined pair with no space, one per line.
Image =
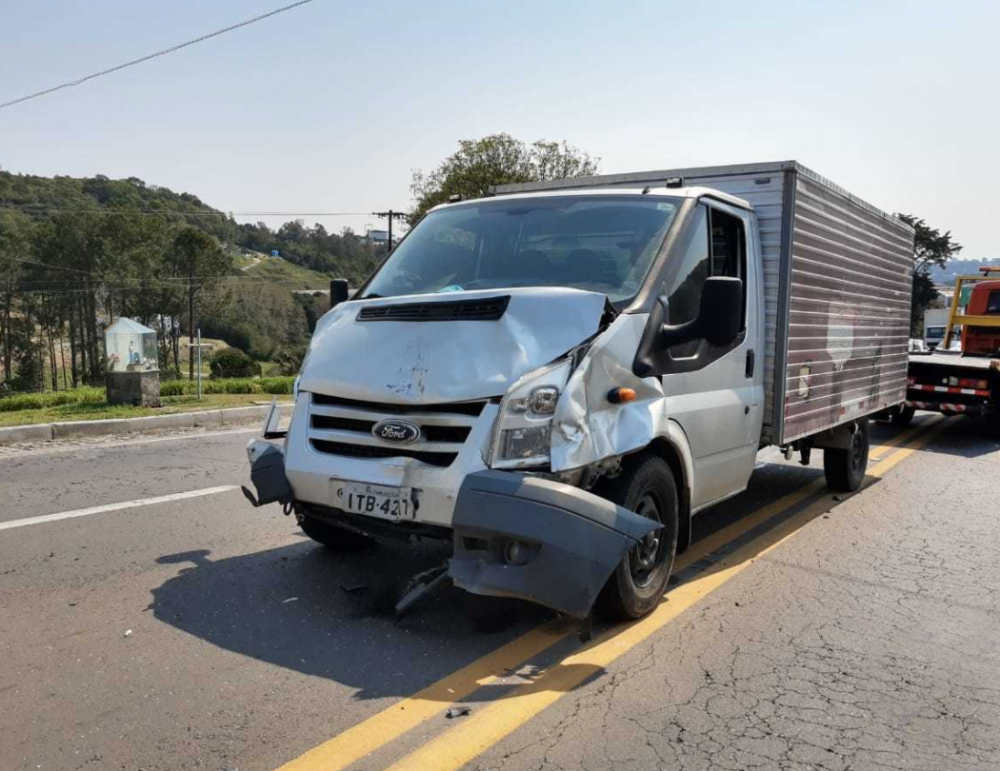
729,250
715,245
684,293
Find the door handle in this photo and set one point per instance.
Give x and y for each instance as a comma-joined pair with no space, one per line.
751,362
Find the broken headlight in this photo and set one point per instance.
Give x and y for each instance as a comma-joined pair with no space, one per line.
522,436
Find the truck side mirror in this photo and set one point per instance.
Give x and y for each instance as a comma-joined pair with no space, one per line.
338,292
721,315
720,319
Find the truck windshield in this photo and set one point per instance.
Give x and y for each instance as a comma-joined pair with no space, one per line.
601,243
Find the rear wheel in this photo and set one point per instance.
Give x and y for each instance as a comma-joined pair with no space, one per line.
647,487
903,417
845,468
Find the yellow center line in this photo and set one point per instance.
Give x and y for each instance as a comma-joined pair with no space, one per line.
378,730
476,734
372,733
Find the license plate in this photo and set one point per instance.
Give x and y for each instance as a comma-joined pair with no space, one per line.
393,503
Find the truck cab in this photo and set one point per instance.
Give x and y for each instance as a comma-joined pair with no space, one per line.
978,340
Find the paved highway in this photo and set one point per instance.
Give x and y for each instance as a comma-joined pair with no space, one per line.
150,619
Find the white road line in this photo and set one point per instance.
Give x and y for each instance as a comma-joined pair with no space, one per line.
115,507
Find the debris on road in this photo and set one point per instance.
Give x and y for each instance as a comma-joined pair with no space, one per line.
357,589
290,599
128,633
454,712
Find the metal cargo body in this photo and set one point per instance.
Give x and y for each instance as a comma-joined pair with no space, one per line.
837,283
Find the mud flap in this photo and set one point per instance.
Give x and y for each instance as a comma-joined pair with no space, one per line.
538,540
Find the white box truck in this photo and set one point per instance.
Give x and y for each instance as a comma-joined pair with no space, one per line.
557,377
935,322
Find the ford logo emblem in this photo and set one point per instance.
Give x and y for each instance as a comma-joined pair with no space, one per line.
396,431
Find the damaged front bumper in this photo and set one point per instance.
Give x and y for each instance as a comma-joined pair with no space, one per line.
267,463
538,540
515,535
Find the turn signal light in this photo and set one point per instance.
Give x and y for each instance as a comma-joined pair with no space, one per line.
621,395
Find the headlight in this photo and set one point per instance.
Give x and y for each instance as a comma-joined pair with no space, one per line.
523,432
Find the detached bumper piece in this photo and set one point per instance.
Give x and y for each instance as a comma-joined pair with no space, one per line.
267,473
537,540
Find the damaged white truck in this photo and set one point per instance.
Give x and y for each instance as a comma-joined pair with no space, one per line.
556,378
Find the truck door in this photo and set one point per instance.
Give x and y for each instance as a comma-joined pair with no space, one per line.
716,393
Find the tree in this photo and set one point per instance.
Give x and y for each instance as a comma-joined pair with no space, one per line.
14,248
202,262
498,159
931,248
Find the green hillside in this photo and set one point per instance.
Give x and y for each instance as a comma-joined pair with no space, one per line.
308,246
282,272
77,252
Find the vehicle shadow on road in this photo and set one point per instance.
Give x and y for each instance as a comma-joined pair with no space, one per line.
329,614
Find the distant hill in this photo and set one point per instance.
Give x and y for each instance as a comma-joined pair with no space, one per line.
310,247
955,268
42,197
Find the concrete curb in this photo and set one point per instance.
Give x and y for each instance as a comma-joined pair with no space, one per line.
47,432
38,433
77,428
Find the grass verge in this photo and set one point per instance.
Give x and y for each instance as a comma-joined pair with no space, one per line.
93,410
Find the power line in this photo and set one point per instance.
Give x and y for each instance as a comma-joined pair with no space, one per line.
164,52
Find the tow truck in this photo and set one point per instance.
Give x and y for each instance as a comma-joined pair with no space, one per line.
964,381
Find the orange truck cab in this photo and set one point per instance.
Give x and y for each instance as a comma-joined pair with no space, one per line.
965,382
983,301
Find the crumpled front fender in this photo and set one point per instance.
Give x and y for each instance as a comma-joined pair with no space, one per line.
539,540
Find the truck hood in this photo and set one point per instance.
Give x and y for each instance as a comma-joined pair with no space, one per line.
455,359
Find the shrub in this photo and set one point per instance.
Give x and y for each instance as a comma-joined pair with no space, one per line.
272,386
39,401
232,362
169,373
172,388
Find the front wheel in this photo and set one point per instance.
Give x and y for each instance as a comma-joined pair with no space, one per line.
647,487
845,468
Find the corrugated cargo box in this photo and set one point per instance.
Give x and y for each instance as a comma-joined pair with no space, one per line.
837,277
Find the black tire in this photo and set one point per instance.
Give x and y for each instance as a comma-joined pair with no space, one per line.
646,486
903,417
333,537
845,469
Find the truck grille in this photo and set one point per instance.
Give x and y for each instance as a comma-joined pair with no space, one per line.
457,434
362,451
474,409
343,427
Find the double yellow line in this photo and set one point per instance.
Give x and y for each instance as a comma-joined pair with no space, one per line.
491,723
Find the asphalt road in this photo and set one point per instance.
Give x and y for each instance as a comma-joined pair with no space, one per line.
803,632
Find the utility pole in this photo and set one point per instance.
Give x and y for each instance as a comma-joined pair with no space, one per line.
390,215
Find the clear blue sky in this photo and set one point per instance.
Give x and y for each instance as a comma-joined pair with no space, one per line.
329,106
